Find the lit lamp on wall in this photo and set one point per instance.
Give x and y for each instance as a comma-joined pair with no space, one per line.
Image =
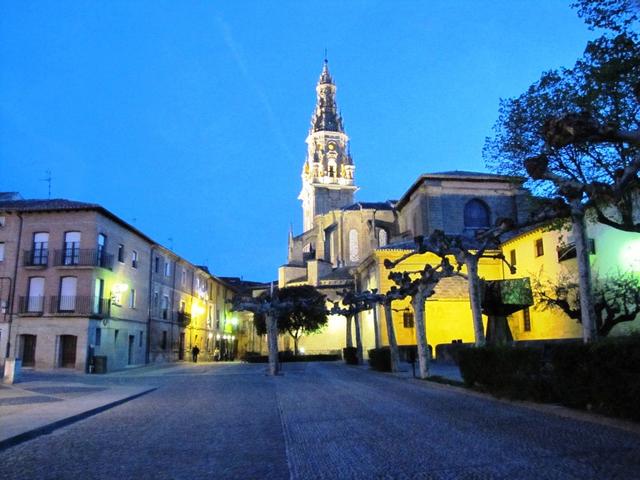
116,293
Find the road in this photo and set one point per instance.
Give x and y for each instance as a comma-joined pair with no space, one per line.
318,420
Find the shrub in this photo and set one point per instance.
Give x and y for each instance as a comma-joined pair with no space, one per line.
380,359
615,382
350,355
604,376
504,371
571,373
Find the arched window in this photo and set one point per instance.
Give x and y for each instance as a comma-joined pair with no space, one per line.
383,238
476,214
354,250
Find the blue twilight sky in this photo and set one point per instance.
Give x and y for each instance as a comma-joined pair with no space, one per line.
188,118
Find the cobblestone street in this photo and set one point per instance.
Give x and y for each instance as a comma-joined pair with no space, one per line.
318,420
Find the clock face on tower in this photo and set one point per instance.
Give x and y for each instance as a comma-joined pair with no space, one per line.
331,146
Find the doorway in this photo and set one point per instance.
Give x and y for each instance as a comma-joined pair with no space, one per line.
181,347
28,350
130,356
68,351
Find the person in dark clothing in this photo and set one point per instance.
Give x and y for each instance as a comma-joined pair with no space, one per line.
194,353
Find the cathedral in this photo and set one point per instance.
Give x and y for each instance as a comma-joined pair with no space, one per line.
345,242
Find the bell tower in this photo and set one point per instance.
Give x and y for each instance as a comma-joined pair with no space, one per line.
328,171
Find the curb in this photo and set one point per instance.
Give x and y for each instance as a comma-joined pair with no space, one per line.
46,429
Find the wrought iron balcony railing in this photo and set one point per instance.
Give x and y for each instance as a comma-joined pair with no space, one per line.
74,305
34,305
83,257
183,318
35,258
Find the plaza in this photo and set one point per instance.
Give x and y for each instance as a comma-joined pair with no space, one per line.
316,420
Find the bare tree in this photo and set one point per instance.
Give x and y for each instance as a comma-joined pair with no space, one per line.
616,298
349,306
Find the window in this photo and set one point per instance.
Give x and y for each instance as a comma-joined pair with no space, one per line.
539,248
121,253
383,237
156,265
71,248
407,320
140,339
476,214
183,306
155,298
134,259
40,249
512,258
183,277
115,336
167,268
165,307
102,243
132,298
526,320
98,294
35,300
98,337
1,251
163,345
354,250
67,301
3,221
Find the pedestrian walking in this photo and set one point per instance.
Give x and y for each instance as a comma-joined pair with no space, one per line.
216,354
194,353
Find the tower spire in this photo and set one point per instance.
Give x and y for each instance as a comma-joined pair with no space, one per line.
328,172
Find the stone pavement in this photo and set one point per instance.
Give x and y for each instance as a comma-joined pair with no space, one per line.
42,402
318,420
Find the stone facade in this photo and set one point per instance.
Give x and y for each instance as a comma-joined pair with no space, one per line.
78,282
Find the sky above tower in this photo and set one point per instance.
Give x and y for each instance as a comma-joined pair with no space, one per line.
188,119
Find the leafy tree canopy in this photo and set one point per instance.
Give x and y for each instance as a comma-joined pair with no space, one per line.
603,83
306,312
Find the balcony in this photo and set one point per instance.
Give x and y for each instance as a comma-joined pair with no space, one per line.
35,258
568,251
183,318
31,305
73,305
82,257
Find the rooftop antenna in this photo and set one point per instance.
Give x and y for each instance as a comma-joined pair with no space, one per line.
170,243
325,56
48,180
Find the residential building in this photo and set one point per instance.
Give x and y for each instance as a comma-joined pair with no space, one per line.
77,282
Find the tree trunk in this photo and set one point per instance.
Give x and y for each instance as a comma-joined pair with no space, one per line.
391,335
474,299
498,331
376,326
587,309
356,321
421,334
272,342
295,346
349,335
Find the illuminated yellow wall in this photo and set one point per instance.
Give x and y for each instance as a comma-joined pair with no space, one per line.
616,251
448,312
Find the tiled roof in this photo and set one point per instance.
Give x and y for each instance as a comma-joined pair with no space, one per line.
44,205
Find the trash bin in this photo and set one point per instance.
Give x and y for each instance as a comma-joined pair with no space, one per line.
100,364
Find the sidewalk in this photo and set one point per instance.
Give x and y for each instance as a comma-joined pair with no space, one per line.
44,402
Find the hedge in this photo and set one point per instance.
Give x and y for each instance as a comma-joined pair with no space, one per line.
350,355
380,359
288,356
603,376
